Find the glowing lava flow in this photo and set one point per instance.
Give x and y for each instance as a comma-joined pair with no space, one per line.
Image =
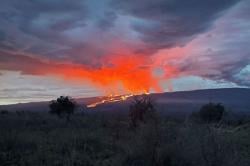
110,99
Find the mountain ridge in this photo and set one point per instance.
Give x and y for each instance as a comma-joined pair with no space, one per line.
233,98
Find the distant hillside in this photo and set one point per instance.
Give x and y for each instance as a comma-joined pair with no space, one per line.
235,100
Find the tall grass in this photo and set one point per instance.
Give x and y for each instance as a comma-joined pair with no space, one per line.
100,139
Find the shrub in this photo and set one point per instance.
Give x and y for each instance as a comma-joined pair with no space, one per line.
141,107
211,112
4,112
64,105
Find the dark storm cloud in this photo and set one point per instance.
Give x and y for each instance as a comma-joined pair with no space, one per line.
167,23
173,22
79,31
48,28
36,16
39,21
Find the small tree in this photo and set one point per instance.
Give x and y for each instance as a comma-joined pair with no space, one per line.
211,112
142,106
143,110
64,105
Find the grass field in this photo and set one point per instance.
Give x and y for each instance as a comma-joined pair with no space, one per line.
103,139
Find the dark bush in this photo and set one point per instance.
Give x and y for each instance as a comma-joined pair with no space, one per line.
64,105
4,112
141,107
211,112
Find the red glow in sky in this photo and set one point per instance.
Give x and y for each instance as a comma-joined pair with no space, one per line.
124,74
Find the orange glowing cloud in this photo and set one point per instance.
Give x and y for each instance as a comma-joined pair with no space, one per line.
123,74
117,74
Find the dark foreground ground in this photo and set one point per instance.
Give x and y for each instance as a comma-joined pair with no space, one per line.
103,139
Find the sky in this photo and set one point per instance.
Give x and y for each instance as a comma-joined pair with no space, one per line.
90,48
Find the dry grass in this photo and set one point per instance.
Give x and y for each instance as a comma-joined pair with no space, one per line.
98,139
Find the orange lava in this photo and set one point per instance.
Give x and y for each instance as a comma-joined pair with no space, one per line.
110,99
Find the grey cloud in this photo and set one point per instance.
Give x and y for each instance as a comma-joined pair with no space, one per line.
2,35
219,66
38,26
44,28
172,23
12,90
40,21
107,21
224,55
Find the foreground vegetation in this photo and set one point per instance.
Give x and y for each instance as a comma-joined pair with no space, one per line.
109,139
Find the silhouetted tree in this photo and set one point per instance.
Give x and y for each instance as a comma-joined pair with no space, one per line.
140,107
64,105
211,112
142,110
